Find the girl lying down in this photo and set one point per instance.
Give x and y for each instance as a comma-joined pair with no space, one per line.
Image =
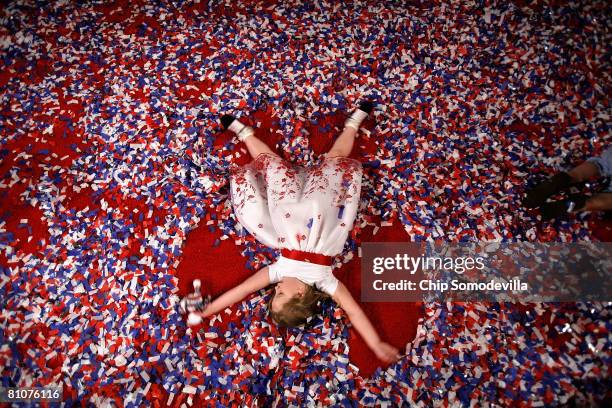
307,213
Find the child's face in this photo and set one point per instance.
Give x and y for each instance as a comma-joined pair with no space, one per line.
285,290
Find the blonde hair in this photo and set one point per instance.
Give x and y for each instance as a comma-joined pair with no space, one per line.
296,311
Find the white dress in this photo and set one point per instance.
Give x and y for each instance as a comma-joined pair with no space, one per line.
308,209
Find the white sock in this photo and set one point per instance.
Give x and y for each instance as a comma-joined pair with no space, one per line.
236,126
356,118
241,130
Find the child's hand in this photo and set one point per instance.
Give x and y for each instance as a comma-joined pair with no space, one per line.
385,352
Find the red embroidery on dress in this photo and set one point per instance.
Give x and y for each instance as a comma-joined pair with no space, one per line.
345,187
269,181
258,180
276,180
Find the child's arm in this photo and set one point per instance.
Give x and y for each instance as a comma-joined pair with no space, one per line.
259,280
362,324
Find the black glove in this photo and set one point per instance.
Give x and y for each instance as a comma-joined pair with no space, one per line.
536,196
558,209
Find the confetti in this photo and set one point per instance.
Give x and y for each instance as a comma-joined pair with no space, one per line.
111,152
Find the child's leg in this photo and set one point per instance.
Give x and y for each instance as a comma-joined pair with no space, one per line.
344,143
256,146
246,134
599,202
